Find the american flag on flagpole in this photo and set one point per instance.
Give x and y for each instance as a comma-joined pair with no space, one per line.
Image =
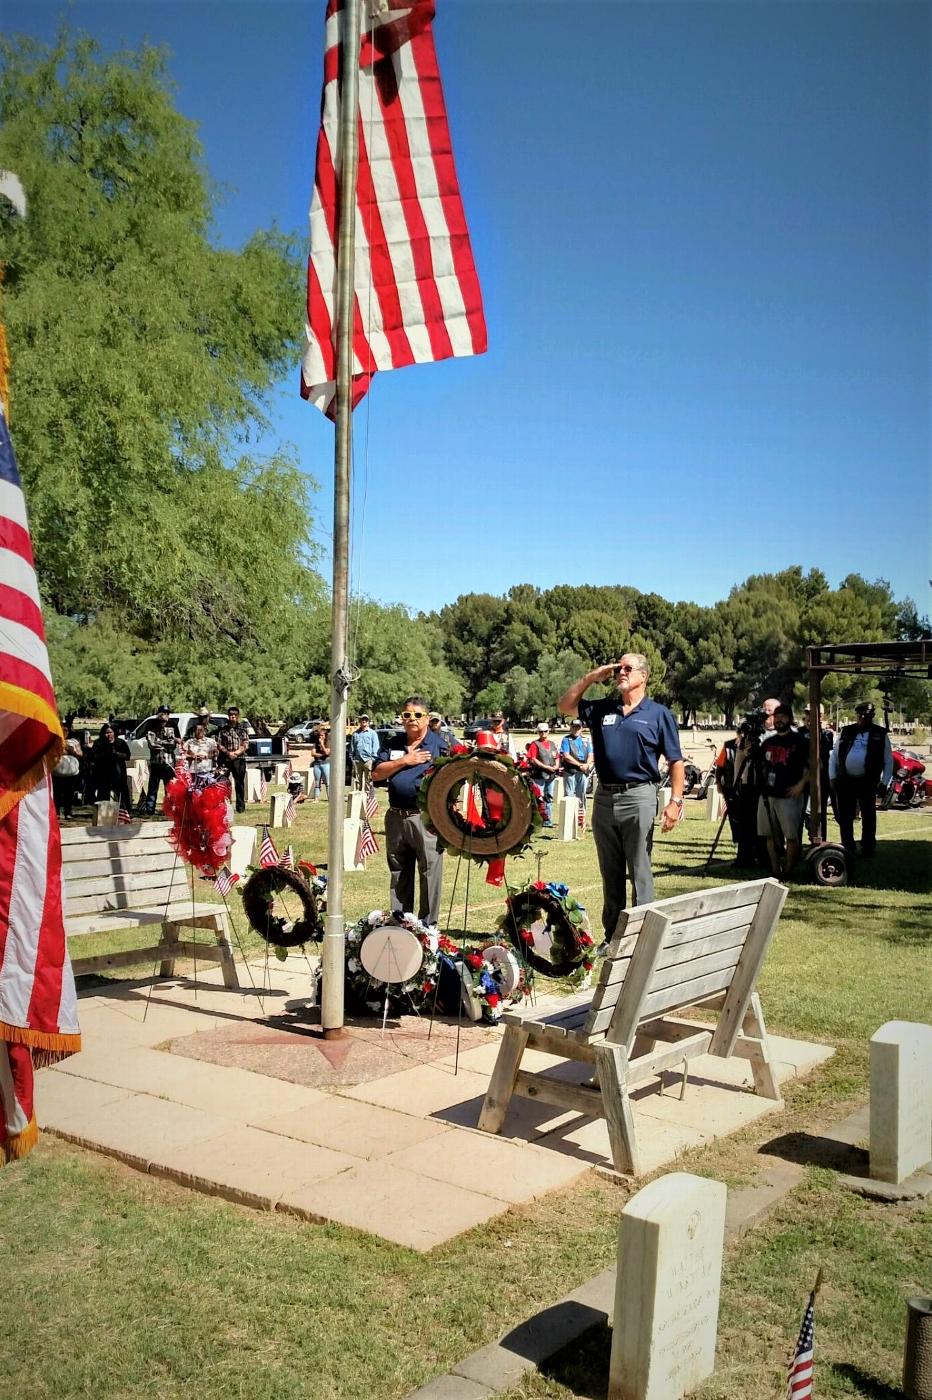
372,803
366,845
124,817
416,293
268,854
263,787
799,1380
287,861
225,880
290,812
38,1005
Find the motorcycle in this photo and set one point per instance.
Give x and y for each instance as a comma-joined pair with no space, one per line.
907,787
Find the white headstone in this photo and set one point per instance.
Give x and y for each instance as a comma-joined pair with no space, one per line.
901,1100
351,829
568,818
106,813
277,805
243,849
253,784
137,778
279,772
714,804
666,1298
354,805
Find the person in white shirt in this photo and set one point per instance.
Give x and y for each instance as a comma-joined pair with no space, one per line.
861,759
201,752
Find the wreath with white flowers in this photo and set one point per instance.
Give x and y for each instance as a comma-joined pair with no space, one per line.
492,981
550,930
505,815
366,992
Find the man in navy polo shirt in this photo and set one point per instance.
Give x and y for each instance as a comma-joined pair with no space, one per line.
629,734
408,844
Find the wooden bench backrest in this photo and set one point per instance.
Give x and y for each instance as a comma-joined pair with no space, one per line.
694,947
123,867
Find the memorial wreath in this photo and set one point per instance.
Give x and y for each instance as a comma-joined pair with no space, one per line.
550,930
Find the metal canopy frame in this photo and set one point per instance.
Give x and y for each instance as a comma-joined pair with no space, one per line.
896,660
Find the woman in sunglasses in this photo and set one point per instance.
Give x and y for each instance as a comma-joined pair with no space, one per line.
408,845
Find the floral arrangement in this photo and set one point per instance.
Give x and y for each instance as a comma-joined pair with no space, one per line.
201,818
510,814
550,930
363,991
265,908
488,982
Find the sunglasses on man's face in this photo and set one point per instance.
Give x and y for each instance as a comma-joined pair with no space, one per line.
413,714
620,669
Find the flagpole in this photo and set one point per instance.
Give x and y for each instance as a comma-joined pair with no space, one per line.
332,954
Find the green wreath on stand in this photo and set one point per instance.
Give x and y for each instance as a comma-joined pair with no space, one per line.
268,915
550,930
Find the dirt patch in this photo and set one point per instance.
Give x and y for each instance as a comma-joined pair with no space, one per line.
292,1047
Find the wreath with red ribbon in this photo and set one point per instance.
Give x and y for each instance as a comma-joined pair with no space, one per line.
202,821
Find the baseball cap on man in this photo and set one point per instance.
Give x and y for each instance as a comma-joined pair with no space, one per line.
163,710
543,725
575,724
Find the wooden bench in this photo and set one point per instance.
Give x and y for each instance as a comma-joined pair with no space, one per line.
695,950
126,877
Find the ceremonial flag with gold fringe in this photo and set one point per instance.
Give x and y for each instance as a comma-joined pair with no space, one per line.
38,1005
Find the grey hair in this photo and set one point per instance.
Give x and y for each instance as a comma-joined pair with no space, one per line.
642,662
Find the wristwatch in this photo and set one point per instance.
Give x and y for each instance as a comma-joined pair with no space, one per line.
678,802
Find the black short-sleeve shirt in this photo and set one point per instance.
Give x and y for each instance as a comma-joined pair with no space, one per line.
784,759
403,788
626,747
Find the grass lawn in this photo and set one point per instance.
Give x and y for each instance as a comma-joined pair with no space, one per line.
122,1285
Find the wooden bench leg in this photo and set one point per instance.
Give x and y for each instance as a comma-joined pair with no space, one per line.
502,1084
170,939
758,1051
227,965
612,1063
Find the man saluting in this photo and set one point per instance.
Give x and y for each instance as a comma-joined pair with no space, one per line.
629,734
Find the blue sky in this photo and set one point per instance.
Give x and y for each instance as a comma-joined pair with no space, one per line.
702,232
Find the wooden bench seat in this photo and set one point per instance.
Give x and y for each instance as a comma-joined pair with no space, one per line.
696,950
124,877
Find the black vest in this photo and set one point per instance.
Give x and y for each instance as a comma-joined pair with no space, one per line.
873,761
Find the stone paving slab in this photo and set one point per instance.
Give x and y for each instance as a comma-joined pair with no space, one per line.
493,1166
422,1091
139,1128
224,1092
399,1205
352,1126
249,1166
61,1101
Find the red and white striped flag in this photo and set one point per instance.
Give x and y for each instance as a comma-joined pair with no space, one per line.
225,880
372,803
290,812
417,295
366,845
263,787
287,861
799,1380
124,817
268,854
38,1006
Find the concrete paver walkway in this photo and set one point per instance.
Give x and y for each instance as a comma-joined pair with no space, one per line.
370,1154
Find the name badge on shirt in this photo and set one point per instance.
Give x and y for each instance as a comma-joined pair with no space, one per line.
608,719
394,754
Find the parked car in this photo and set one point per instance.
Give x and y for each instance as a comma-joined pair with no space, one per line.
261,749
301,733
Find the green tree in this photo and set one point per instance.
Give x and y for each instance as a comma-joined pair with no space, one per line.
142,355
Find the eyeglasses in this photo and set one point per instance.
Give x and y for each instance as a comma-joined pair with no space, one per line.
413,714
619,669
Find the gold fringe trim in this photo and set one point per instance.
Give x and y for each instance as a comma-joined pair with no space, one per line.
20,1144
56,1044
20,702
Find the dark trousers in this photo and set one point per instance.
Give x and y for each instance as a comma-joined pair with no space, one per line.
158,773
64,793
114,785
236,767
409,847
747,800
851,793
623,831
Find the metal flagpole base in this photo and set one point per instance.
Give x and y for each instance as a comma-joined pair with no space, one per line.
332,962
